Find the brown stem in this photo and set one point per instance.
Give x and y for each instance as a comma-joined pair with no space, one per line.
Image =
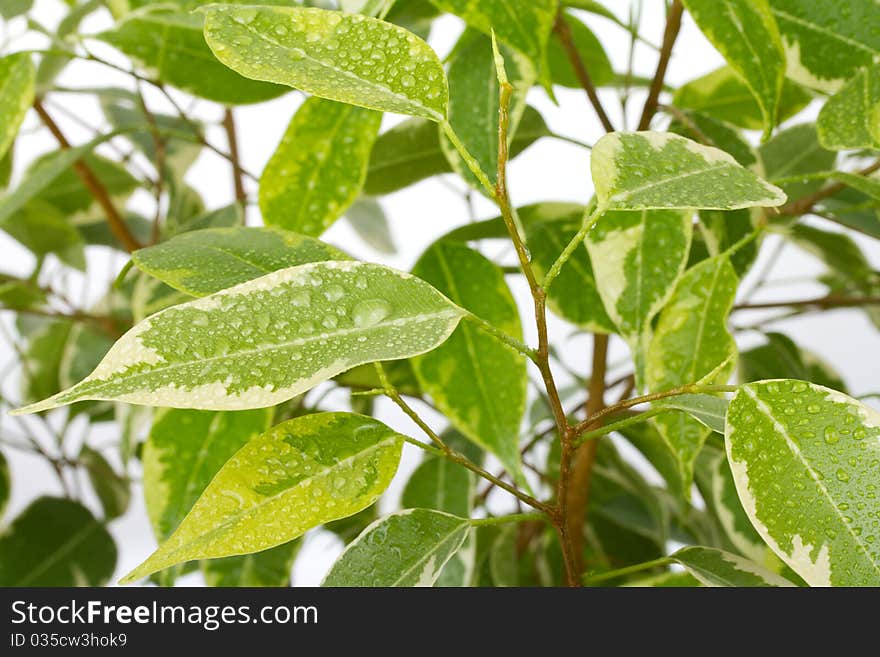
235,158
118,227
563,33
825,302
805,205
670,34
578,486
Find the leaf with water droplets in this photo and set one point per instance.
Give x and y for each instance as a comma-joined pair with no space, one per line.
170,43
638,257
17,80
714,567
692,344
295,476
746,34
806,460
56,542
205,261
827,41
655,170
851,118
319,167
409,548
524,25
345,57
442,485
476,380
265,341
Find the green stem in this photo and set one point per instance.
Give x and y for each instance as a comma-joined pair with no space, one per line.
571,140
620,424
503,520
421,445
629,570
469,159
511,342
588,223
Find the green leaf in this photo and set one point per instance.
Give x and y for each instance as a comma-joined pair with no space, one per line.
345,57
574,295
717,133
707,409
476,380
319,167
503,558
592,54
69,194
781,358
654,170
474,103
170,43
206,261
368,220
804,459
722,230
5,484
408,548
746,34
524,25
112,490
638,257
723,95
442,485
267,568
714,567
824,44
692,344
42,228
17,80
184,451
373,8
296,476
404,155
851,117
529,215
13,8
265,341
793,152
56,542
665,580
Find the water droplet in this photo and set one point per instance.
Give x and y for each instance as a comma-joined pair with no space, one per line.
334,293
831,435
842,475
370,312
301,299
330,322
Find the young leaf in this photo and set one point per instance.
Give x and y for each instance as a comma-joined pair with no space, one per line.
477,381
714,567
851,117
112,490
206,261
267,568
345,57
826,43
804,459
408,548
574,295
654,170
746,34
319,167
296,476
638,257
56,542
524,25
723,95
692,344
793,152
265,341
17,79
170,43
183,452
474,103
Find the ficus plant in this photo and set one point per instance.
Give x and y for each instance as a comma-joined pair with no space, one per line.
697,463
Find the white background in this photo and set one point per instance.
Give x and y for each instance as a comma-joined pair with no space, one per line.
550,170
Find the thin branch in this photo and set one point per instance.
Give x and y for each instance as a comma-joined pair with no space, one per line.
235,158
563,33
670,34
824,303
117,225
805,205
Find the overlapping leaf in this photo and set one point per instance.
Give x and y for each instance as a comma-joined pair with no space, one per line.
851,118
17,80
